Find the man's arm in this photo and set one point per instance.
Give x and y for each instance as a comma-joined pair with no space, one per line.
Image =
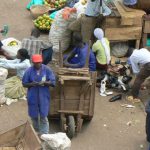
12,64
134,65
70,56
51,81
26,80
28,85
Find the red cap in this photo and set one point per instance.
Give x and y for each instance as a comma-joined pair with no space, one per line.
37,58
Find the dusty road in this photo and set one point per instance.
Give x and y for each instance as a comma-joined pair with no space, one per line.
108,130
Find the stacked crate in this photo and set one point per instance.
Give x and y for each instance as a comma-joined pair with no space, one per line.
123,24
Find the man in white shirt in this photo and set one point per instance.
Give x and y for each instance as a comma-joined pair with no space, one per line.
88,22
140,62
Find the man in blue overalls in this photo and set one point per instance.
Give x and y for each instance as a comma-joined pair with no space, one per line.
37,79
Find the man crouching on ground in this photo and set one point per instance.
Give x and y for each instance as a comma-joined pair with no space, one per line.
37,79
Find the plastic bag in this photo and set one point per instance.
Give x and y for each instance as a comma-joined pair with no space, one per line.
119,49
59,31
58,141
11,50
34,2
80,8
3,76
53,15
14,88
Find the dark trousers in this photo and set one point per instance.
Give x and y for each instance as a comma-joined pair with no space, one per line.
143,74
47,55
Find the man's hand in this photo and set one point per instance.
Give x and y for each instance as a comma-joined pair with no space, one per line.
47,83
33,84
66,64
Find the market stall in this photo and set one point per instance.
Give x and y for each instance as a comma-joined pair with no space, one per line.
124,24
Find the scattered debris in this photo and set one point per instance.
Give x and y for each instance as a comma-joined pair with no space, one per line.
141,146
9,101
105,125
129,123
127,106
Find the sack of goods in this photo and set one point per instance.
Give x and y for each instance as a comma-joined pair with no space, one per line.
11,46
57,141
14,88
59,30
3,76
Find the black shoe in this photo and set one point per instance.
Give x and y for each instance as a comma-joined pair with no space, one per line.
126,79
115,98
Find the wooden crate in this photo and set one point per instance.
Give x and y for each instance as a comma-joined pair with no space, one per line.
71,93
123,34
21,137
123,24
146,26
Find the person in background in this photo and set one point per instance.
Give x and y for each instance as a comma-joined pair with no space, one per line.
140,63
36,46
13,85
38,78
3,53
102,50
77,57
87,23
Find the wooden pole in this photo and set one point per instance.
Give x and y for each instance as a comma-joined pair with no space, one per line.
60,55
88,55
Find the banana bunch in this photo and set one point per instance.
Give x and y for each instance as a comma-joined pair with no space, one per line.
12,43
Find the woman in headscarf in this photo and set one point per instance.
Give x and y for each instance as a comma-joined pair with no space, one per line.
102,49
13,85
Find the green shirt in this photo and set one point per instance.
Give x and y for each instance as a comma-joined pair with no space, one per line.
100,51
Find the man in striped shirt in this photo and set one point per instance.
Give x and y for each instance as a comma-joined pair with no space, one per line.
34,45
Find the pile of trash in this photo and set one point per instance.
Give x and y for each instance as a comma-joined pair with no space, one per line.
57,141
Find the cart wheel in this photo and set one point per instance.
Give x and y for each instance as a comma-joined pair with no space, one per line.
71,127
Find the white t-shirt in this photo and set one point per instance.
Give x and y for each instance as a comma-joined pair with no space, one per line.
139,58
16,64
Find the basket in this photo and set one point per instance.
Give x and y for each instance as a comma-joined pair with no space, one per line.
38,10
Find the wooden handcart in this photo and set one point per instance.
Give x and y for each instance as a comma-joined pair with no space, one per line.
73,97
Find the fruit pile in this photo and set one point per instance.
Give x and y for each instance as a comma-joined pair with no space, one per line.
55,3
43,22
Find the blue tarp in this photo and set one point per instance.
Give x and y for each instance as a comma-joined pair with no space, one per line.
35,2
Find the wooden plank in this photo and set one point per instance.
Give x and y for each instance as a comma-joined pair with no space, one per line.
92,97
7,148
137,45
144,40
11,137
129,18
70,112
82,71
112,22
35,143
60,55
125,33
147,26
74,78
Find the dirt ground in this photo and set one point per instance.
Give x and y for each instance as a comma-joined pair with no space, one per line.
113,127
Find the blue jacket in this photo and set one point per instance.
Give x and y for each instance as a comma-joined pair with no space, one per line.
38,97
80,58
